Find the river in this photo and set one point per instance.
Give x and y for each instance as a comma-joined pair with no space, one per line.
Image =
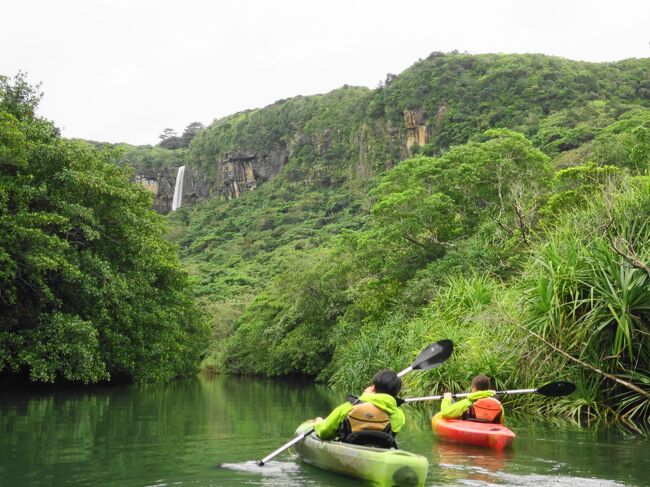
207,432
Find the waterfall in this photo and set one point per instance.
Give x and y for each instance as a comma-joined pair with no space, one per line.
178,189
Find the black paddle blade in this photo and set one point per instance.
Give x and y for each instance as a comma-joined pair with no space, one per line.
434,355
556,389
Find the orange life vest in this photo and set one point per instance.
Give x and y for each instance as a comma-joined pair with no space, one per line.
486,410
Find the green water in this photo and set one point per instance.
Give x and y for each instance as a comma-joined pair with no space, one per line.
207,432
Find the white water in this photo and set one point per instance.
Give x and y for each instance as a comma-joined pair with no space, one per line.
178,189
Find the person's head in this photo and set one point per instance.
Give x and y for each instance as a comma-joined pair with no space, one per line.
481,383
386,381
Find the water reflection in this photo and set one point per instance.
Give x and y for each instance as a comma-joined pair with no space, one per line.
156,434
209,431
469,462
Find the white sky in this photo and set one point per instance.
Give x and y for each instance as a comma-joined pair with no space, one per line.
123,70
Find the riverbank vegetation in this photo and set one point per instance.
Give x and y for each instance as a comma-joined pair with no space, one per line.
90,290
519,230
502,201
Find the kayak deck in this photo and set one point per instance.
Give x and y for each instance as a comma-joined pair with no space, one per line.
490,435
384,467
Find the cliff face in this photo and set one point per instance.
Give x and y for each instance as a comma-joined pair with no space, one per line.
417,131
325,139
161,183
242,171
234,176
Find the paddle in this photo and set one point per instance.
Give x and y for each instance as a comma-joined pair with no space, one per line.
552,389
431,357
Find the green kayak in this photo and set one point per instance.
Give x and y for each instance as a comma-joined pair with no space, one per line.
384,467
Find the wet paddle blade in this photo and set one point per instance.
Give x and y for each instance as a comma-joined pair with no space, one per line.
434,355
557,389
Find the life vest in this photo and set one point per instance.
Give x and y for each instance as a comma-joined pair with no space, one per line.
486,410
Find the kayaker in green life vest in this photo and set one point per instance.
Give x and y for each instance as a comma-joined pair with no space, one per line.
480,405
372,419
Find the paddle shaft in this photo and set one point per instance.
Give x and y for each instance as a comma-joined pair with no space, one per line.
284,447
405,371
465,394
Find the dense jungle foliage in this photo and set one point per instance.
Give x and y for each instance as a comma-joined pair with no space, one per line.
90,290
519,230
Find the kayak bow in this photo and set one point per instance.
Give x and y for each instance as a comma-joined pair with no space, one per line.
491,435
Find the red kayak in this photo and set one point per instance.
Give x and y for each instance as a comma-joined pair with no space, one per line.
491,435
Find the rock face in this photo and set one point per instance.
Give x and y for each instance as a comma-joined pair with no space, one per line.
231,177
161,183
241,171
417,131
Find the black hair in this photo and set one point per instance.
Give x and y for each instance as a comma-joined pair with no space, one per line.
481,383
386,381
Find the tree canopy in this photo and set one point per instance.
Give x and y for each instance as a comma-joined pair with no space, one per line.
169,139
89,287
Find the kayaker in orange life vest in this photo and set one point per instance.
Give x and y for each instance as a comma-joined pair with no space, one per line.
480,405
372,419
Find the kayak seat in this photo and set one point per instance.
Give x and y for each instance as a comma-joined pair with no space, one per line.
379,439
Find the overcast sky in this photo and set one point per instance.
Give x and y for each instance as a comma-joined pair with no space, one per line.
122,71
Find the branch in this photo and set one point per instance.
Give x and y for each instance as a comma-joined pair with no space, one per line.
633,259
586,365
522,225
414,241
504,227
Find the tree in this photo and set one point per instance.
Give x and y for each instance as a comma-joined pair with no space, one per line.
169,139
190,132
89,287
430,202
575,187
640,153
19,97
167,134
